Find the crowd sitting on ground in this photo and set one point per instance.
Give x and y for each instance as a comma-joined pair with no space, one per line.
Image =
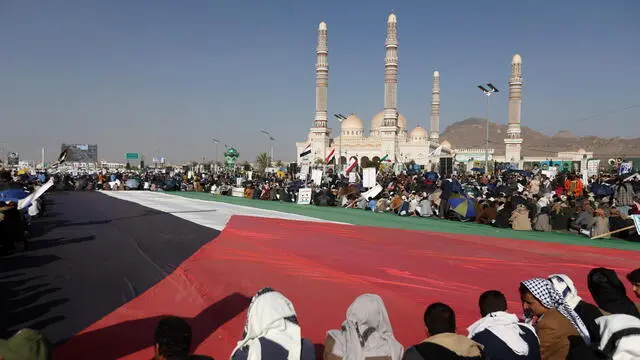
520,200
557,324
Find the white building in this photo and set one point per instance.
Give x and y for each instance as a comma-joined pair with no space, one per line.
388,134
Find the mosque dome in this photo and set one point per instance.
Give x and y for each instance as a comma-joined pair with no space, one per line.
582,151
378,120
418,133
352,126
445,144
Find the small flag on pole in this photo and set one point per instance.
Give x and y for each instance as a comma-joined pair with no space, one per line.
385,158
306,151
353,162
331,155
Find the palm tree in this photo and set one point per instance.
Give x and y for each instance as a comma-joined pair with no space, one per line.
279,163
263,161
246,166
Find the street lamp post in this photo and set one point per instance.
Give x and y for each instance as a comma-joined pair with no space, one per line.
215,163
492,91
270,138
340,118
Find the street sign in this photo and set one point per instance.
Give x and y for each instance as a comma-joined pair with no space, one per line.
131,156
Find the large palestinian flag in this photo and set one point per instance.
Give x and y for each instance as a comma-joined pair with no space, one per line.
104,267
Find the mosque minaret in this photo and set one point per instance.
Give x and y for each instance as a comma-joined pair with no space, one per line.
435,108
319,133
513,142
389,129
322,77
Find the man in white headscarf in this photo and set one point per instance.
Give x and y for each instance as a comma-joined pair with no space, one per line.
587,312
272,331
620,336
365,334
501,333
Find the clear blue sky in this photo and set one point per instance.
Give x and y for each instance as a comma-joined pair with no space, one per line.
163,77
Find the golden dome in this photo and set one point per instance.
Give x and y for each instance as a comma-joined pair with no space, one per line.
352,122
378,120
418,132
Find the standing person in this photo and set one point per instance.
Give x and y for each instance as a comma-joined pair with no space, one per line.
558,326
501,333
447,191
365,334
442,342
624,195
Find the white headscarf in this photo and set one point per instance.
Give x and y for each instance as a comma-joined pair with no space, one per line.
267,318
566,288
627,347
506,327
367,331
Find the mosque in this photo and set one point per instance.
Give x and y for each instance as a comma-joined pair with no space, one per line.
389,137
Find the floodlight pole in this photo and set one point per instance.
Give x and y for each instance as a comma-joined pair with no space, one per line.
487,92
215,163
340,118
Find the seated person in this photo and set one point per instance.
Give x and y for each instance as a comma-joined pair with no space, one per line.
443,343
365,334
501,333
634,279
172,340
588,312
26,344
272,331
558,326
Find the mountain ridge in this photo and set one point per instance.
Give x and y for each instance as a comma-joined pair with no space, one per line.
470,133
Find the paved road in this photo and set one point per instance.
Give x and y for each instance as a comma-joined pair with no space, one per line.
92,254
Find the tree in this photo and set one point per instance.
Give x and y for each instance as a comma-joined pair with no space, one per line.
263,161
246,166
128,166
320,161
279,163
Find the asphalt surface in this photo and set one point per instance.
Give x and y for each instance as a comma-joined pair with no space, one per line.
90,255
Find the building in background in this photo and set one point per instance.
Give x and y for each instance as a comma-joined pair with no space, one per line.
389,137
83,153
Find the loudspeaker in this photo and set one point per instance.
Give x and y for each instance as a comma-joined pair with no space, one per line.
446,166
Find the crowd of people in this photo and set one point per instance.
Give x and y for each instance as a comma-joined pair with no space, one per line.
521,200
556,324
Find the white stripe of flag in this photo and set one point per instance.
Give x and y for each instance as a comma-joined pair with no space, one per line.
330,156
306,151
